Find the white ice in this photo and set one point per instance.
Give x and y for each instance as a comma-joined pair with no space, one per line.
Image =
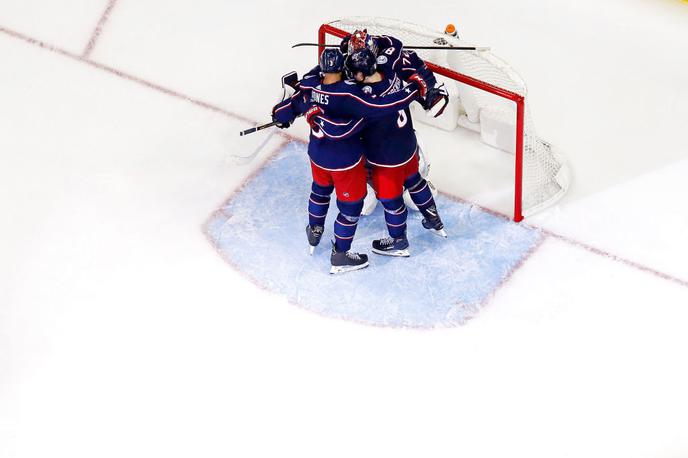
123,333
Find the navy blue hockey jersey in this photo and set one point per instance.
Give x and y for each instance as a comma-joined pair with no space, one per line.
391,141
336,143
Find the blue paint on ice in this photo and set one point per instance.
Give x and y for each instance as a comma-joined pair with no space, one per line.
443,283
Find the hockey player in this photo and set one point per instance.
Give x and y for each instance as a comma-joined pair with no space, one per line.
335,149
391,147
392,58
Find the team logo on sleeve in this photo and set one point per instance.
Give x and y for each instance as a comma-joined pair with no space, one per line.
367,89
381,60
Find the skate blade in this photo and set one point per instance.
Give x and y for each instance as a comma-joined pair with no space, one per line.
399,253
311,249
439,233
344,269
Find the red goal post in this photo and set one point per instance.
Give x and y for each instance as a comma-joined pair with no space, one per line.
396,28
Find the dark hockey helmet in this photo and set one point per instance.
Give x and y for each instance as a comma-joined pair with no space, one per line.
331,61
363,61
360,39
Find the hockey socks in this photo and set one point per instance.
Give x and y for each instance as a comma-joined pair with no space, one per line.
395,216
420,192
346,223
318,204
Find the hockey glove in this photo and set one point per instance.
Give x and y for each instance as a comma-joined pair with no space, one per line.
312,115
291,80
422,85
434,96
424,71
283,114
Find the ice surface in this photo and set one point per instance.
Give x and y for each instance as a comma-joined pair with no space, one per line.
124,333
443,283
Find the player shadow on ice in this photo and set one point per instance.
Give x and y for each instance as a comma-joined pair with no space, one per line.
260,231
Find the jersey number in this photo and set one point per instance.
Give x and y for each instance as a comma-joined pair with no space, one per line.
401,120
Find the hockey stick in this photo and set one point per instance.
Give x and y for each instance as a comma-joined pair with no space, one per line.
249,158
242,160
257,128
449,48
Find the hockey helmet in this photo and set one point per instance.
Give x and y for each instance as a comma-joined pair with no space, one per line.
331,61
363,61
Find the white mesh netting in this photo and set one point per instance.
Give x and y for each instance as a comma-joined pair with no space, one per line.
545,174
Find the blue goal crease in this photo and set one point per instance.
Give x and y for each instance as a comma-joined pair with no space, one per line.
445,282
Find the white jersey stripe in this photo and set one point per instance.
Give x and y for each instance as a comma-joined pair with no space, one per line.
344,134
338,170
395,165
374,105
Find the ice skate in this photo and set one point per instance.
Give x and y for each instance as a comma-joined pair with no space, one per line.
314,234
346,261
392,246
433,222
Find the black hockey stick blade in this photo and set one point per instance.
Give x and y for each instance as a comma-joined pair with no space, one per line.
257,128
448,48
452,48
314,44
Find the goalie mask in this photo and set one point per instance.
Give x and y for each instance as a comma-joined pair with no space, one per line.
360,39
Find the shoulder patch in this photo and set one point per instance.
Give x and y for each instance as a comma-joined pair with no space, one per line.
382,60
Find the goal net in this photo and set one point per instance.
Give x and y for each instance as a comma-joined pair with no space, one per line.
487,96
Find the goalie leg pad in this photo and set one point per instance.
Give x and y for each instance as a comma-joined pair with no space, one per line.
370,202
346,223
318,204
395,216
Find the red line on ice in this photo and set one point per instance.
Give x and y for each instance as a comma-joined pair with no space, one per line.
582,245
616,258
99,29
133,78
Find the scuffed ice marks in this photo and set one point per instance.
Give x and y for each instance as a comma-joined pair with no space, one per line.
445,282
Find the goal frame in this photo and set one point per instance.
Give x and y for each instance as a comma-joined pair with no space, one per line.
519,100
